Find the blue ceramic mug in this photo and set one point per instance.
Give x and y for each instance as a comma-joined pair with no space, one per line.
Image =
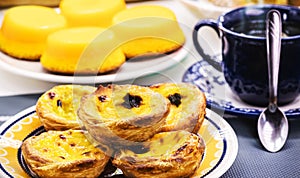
244,56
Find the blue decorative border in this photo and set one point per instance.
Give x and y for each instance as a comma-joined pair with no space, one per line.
5,130
20,157
208,79
224,148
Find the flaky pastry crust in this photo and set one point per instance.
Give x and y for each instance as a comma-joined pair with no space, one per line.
167,154
188,103
57,107
119,115
63,154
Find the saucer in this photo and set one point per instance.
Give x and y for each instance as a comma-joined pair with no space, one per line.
220,97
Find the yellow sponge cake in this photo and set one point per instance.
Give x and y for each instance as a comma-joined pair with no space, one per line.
90,12
82,50
148,29
25,29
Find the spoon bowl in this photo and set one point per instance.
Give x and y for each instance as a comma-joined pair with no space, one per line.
272,128
272,123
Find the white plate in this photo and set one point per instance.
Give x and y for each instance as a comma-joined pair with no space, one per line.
129,70
219,96
220,139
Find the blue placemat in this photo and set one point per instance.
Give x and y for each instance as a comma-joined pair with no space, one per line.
11,105
253,161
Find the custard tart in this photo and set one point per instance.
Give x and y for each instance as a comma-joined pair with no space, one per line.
63,154
57,107
166,154
187,108
119,115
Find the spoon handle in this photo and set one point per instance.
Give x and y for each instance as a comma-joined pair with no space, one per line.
273,37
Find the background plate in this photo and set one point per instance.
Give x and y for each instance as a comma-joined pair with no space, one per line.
220,139
131,69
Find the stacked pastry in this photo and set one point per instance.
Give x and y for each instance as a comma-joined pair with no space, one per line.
144,131
63,150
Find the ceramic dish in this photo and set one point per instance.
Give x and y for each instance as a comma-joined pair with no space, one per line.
220,97
131,69
220,139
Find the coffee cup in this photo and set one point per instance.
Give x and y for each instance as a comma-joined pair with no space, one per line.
244,55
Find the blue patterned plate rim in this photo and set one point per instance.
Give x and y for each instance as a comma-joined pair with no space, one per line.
211,82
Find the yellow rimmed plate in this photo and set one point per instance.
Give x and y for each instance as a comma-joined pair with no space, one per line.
220,139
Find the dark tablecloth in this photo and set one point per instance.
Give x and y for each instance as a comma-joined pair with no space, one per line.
252,160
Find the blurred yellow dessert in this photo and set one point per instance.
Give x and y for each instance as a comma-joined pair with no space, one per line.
148,30
52,3
90,12
82,50
25,29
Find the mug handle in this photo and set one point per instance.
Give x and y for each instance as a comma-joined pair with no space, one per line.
213,61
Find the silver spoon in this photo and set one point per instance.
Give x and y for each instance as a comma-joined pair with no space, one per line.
272,124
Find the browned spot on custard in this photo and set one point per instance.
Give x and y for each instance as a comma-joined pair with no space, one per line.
62,157
161,140
86,153
59,103
51,95
175,99
61,136
72,144
132,101
102,98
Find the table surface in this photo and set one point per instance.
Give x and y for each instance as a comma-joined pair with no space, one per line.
252,160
